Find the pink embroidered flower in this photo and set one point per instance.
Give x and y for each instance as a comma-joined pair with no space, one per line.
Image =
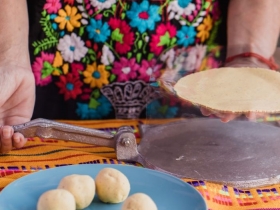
38,66
125,69
122,34
162,38
52,6
149,70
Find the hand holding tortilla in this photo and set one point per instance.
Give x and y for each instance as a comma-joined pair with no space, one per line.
232,90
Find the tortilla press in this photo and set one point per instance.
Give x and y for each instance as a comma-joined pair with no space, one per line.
241,154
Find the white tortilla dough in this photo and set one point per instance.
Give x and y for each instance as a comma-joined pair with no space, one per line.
112,186
57,199
238,90
81,186
139,201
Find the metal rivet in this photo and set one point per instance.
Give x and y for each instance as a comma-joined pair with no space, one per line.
126,141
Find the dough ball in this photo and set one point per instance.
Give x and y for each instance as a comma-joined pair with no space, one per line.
81,186
112,186
139,201
57,199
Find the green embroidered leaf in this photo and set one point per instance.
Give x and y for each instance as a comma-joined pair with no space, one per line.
92,57
47,69
95,94
218,53
114,7
44,44
44,13
140,44
117,36
123,15
106,13
206,5
81,31
36,51
138,57
150,56
93,103
48,17
112,77
129,55
163,109
108,68
173,40
84,59
164,40
91,52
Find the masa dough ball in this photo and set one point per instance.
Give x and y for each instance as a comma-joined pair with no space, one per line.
57,199
112,186
139,201
81,186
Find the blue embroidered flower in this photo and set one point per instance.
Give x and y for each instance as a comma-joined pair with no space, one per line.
98,31
186,36
183,3
158,111
103,108
143,16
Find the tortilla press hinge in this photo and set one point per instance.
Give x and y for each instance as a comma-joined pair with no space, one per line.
126,145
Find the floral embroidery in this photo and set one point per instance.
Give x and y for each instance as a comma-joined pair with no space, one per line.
52,6
70,86
149,70
157,110
69,18
205,28
102,108
72,48
186,36
102,4
87,46
40,65
122,34
125,69
96,76
165,36
143,16
98,31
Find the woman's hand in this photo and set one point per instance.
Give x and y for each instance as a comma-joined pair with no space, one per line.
17,97
228,116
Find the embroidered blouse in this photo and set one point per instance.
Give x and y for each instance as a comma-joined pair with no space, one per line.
95,59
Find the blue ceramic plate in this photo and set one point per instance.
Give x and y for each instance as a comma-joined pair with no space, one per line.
167,191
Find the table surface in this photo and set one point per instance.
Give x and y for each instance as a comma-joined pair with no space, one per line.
41,154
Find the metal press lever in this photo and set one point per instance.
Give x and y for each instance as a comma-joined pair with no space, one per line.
124,141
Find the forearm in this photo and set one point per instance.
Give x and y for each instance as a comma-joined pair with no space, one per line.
14,32
253,26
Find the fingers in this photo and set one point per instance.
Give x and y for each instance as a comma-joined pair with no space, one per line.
224,116
9,139
205,112
254,115
18,140
6,139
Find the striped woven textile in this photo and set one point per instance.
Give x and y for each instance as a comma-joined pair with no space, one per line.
41,154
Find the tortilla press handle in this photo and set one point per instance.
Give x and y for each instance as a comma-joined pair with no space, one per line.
124,141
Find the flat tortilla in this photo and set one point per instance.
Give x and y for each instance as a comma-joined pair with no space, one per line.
238,90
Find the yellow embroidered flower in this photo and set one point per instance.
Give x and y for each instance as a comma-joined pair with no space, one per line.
96,76
205,28
69,18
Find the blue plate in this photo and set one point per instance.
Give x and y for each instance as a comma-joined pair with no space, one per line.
167,191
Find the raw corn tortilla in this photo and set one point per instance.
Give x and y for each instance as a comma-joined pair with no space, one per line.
238,90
